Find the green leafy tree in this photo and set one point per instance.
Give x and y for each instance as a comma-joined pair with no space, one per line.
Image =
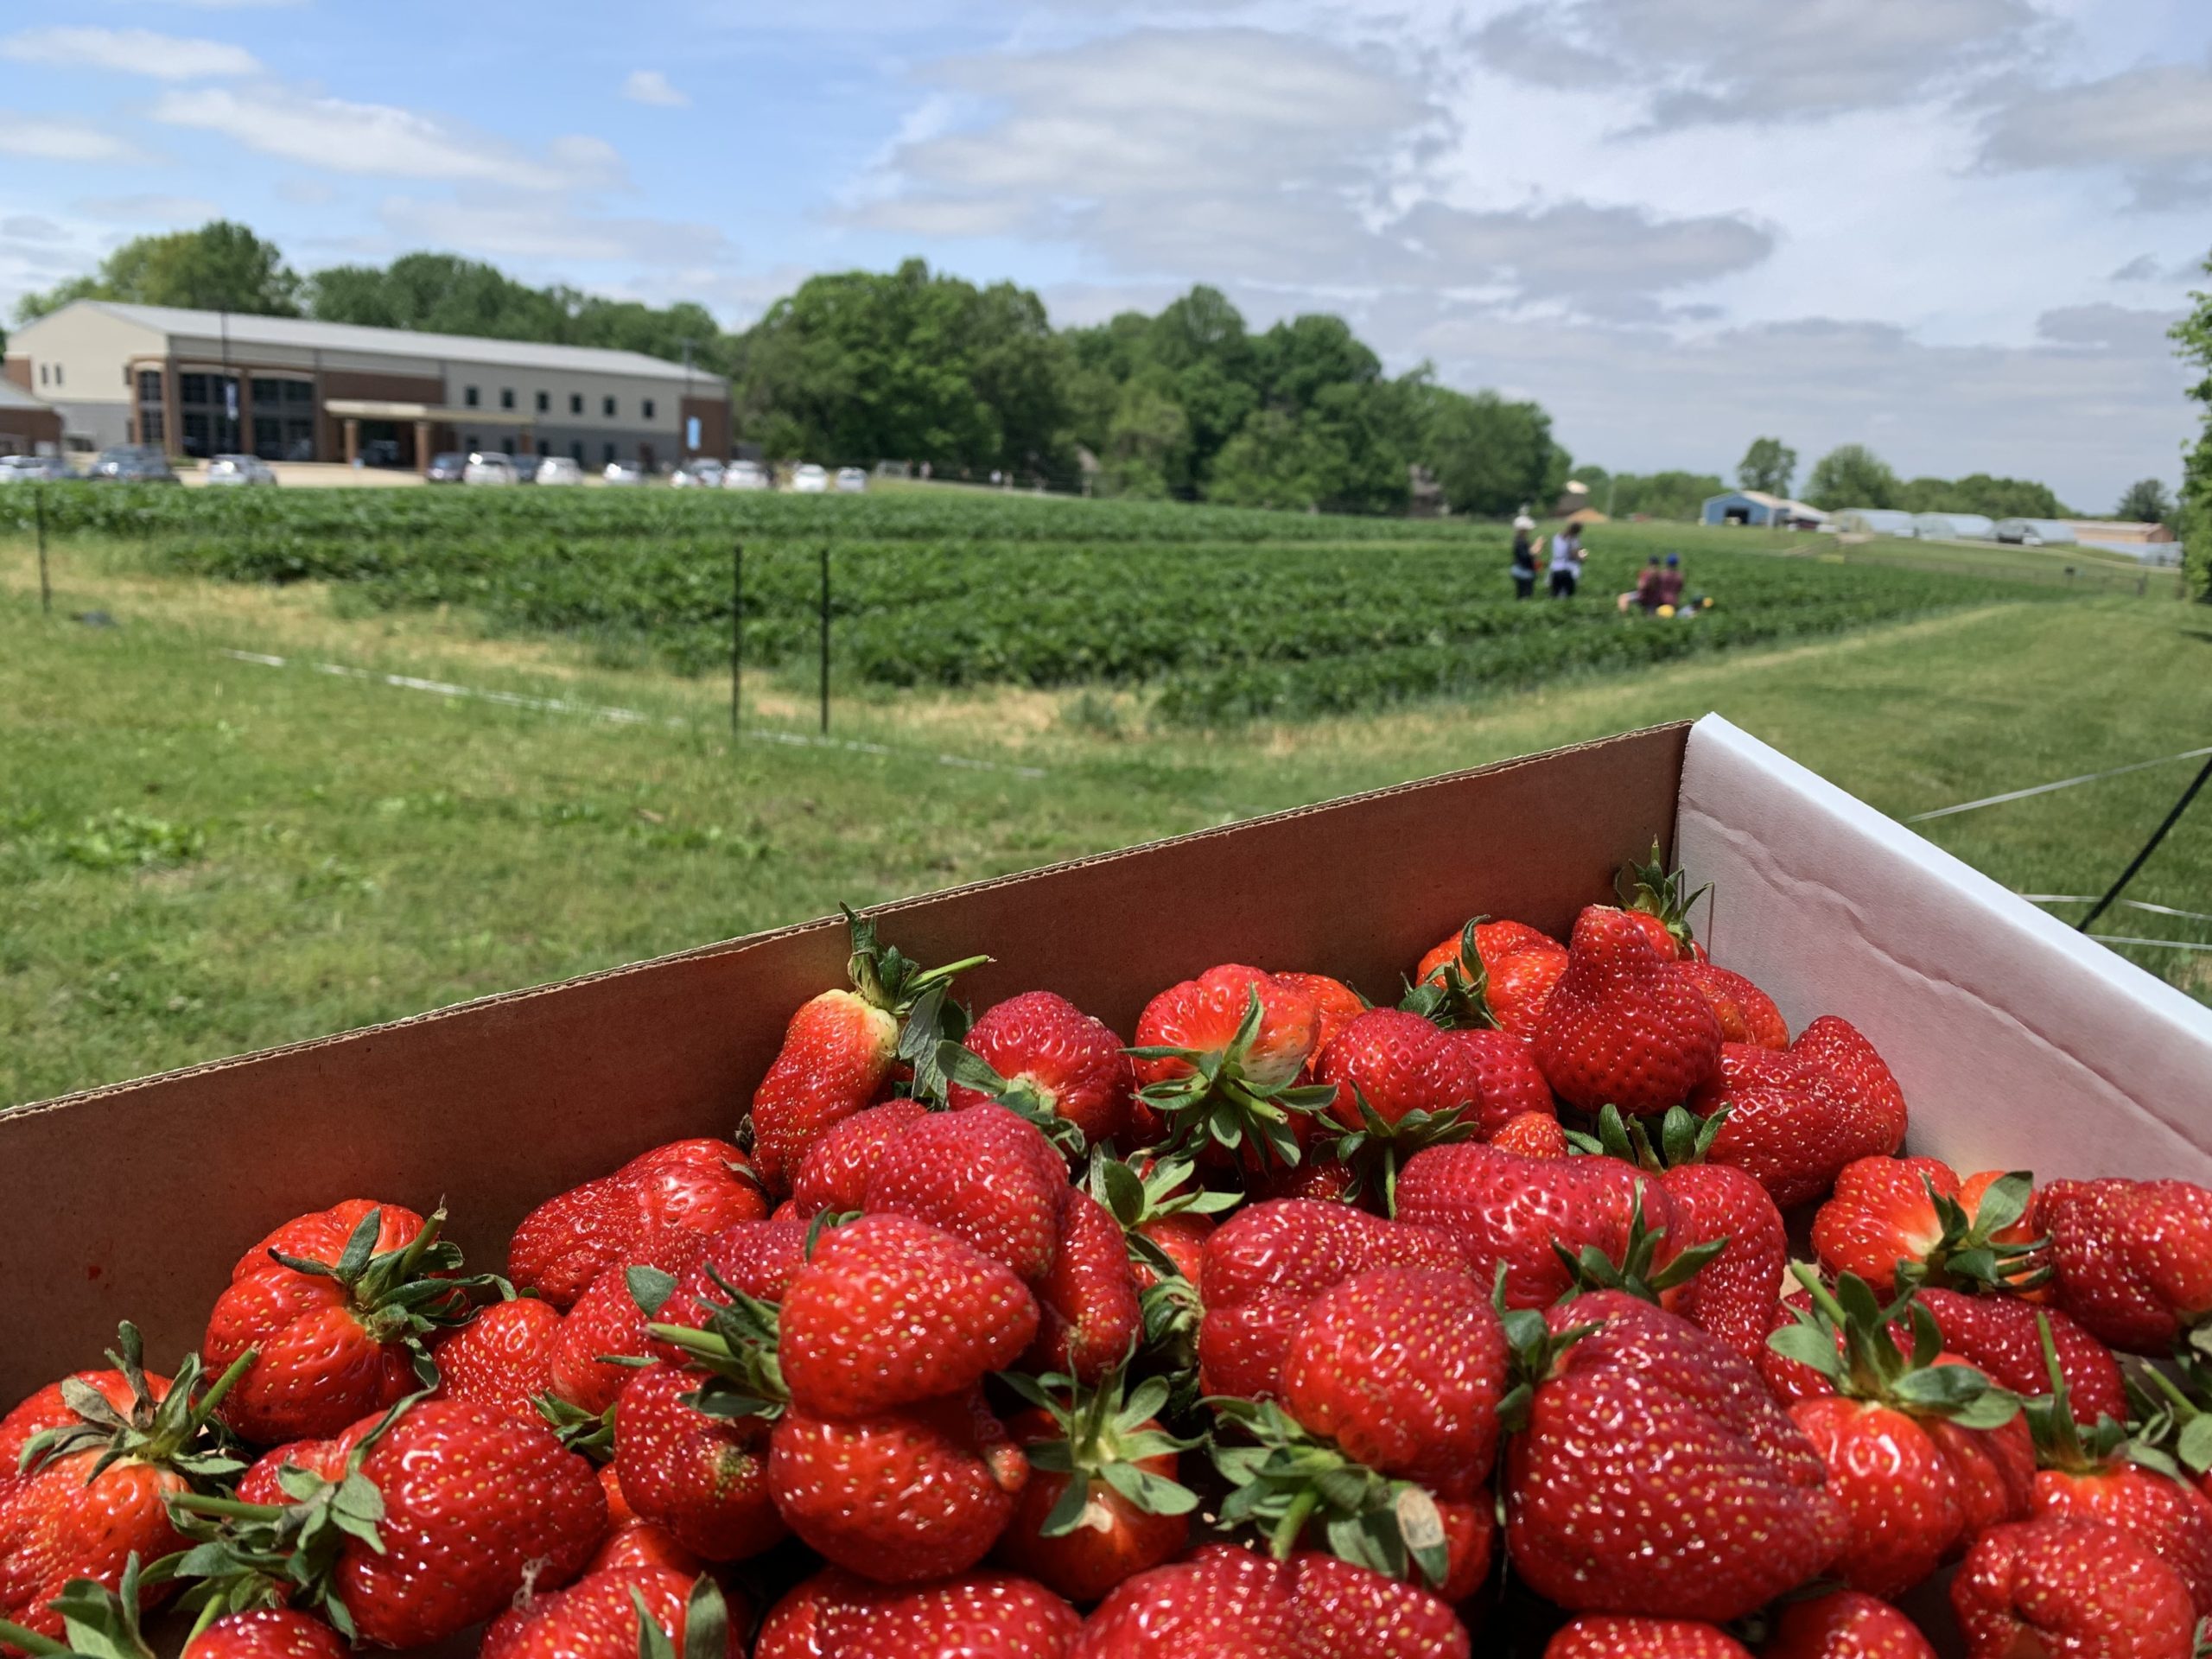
1492,456
2192,338
1767,465
1659,495
221,266
1852,476
1147,444
2145,502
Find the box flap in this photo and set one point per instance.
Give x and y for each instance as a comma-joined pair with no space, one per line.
2020,1043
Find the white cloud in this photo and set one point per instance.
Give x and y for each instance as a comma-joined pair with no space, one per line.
132,52
651,86
383,140
2153,124
507,225
29,227
150,208
61,138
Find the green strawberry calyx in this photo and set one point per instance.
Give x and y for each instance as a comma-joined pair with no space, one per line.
1848,1335
1289,1482
1649,887
1136,1197
706,1625
1218,1102
1018,1094
2163,1437
97,1622
1967,1256
1455,995
178,1432
404,1295
1378,1149
1638,1272
1533,1352
1106,1435
885,976
1683,1138
736,1348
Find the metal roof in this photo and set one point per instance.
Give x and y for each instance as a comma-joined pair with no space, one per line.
13,396
305,334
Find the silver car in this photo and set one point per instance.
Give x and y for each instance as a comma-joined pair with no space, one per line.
240,469
34,469
491,467
745,475
624,472
559,469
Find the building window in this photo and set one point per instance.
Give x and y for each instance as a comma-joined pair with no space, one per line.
610,447
283,418
149,386
57,374
575,402
209,413
577,450
506,397
544,403
150,425
506,446
648,408
469,396
607,408
41,374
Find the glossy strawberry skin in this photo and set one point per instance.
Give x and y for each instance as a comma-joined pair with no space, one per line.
1532,1135
267,1633
1181,1235
60,1522
980,1615
474,1503
1260,1268
1519,965
1203,1013
703,1477
984,1175
834,1174
2000,1336
1612,1636
1400,1063
633,1541
1623,1027
1796,1117
1074,1063
1502,1208
46,1408
1089,1317
836,1055
1403,1368
1880,1216
1845,1625
595,1618
901,1497
892,1311
319,1366
1657,1475
1877,1103
691,1189
2166,1515
758,1258
604,1324
2133,1259
1505,1065
1737,1295
2070,1587
1747,1015
503,1359
1336,1005
1116,1540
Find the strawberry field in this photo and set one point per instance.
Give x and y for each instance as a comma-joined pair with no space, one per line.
1223,616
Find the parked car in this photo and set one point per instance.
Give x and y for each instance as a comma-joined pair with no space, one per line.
851,480
559,469
490,467
701,474
810,480
624,472
745,475
240,469
34,469
448,468
133,463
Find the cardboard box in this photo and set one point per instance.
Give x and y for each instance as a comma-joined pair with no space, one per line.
2019,1043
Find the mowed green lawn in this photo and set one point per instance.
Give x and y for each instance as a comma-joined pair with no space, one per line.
201,856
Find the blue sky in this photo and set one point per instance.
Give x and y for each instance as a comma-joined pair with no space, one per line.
1954,229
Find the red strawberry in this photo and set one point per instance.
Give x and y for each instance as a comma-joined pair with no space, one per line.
901,1495
1399,1063
89,1494
835,1615
1624,1027
834,1174
597,1617
1611,1636
702,1477
892,1311
1336,1005
1845,1625
2133,1259
1747,1015
267,1633
605,1326
685,1190
1512,1084
1496,971
1912,1222
1738,1295
1531,1134
1051,1062
503,1359
1657,902
758,1258
1922,1452
1326,1178
1089,1316
984,1175
329,1305
1074,1528
49,1407
2054,1586
1657,1474
1219,1058
1504,1209
2163,1514
1403,1368
1259,1269
2000,1336
838,1051
633,1541
1795,1118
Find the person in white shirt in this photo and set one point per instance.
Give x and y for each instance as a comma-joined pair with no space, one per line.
1567,561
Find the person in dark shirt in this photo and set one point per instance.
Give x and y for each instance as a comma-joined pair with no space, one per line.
1670,582
1524,556
1646,596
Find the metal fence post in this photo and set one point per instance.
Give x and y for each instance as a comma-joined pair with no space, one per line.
45,588
826,639
736,635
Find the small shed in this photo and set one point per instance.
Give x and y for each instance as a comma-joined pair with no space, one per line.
1876,521
1954,526
1757,508
1587,515
2036,532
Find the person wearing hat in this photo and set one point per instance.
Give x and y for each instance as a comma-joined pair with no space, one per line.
1645,595
1524,555
1670,582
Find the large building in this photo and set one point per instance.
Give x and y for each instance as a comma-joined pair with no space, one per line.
28,427
208,383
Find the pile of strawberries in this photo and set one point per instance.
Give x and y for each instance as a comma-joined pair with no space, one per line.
1296,1328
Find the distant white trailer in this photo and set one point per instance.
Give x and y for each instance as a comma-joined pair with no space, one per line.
1954,526
2036,532
1876,521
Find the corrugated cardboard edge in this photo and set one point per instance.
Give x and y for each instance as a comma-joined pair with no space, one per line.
2020,1044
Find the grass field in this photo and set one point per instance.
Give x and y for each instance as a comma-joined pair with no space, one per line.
201,854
